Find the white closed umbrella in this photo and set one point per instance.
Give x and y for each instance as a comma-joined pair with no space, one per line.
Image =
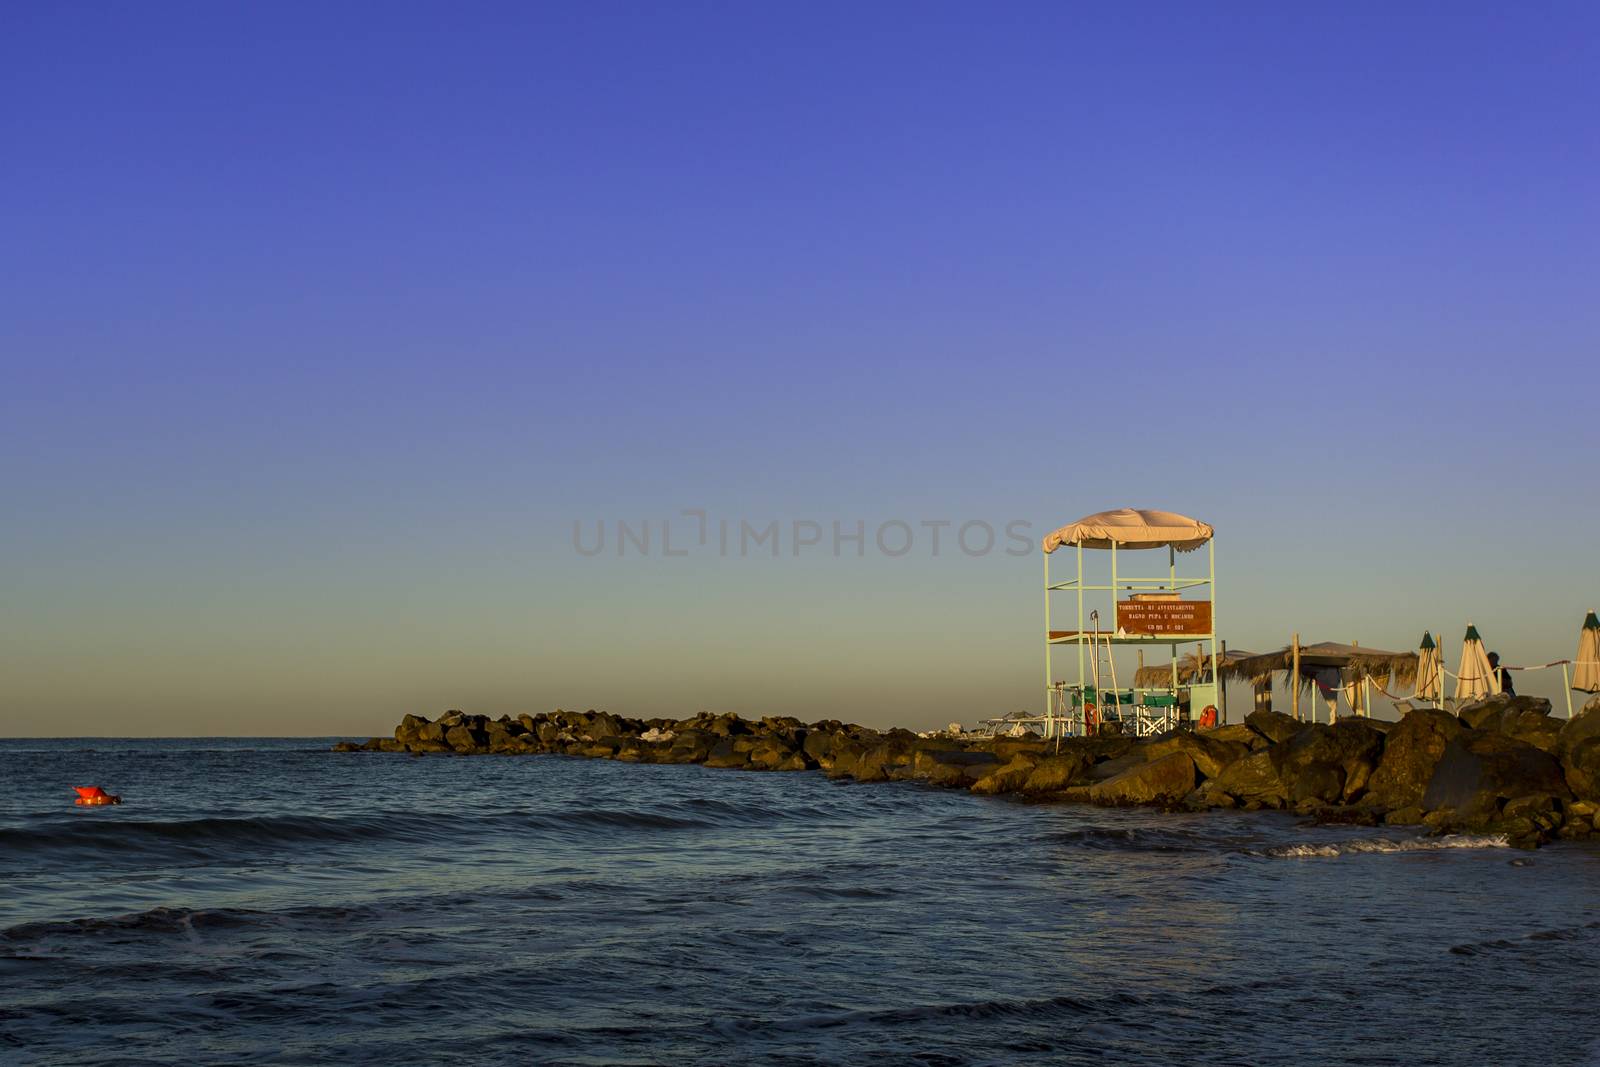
1586,671
1430,681
1475,679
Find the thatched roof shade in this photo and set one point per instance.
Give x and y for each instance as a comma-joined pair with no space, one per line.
1374,663
1190,668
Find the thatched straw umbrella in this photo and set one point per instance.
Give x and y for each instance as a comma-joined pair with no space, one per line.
1586,670
1192,667
1475,679
1430,680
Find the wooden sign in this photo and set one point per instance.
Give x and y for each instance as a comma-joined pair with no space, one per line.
1164,617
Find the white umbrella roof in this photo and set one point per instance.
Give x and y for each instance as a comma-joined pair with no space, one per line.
1475,678
1586,669
1132,528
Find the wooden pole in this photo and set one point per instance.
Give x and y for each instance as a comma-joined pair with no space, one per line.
1222,691
1357,691
1294,677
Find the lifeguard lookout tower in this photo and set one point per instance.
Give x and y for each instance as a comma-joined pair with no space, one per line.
1129,609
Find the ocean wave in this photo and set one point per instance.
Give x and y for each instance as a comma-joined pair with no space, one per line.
189,922
1035,1009
1565,933
1360,846
1133,839
104,835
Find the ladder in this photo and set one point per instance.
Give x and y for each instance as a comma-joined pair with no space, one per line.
1096,648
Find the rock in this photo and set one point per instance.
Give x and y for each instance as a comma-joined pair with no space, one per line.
1479,770
1238,732
1210,753
346,746
1530,806
949,768
771,753
410,729
1007,778
1055,773
1404,816
465,739
1410,752
1524,718
724,753
1275,726
1107,769
820,745
604,724
1581,769
1479,714
431,731
1253,780
657,734
1166,779
961,775
1328,763
1579,728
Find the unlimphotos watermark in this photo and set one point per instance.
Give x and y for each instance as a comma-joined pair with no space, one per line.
695,532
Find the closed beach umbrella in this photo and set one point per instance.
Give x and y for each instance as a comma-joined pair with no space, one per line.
1429,681
1586,672
1475,679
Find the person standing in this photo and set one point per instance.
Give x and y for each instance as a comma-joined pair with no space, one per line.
1506,685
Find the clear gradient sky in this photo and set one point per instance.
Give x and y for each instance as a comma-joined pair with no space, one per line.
321,325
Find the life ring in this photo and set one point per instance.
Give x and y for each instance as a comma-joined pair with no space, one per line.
92,796
1208,717
1091,719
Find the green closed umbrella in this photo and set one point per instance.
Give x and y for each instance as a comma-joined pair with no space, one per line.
1430,680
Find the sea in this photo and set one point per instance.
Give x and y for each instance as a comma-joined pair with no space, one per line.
267,901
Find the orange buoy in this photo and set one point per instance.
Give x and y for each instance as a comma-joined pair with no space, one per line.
92,796
1208,717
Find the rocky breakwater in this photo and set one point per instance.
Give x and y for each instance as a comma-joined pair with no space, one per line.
1502,765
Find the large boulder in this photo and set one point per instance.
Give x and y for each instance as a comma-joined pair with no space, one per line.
1055,773
464,738
1524,718
1239,732
1008,777
1581,768
1209,753
1328,763
958,769
1107,769
820,744
1165,779
1410,752
690,746
726,753
1480,770
1582,726
1008,747
1478,713
410,729
1275,726
1252,779
772,752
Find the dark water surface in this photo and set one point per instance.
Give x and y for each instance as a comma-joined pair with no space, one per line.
271,902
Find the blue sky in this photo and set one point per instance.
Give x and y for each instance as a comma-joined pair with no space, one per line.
321,327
